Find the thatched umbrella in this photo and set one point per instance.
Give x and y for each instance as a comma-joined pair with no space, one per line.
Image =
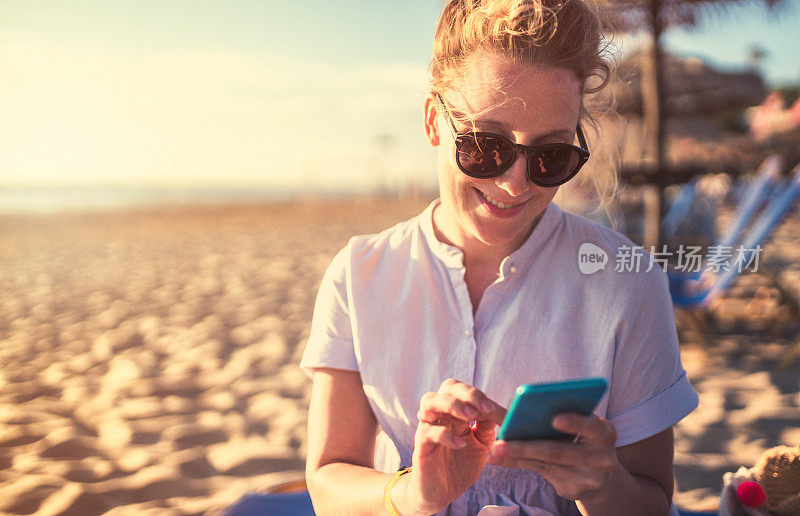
691,87
694,92
655,16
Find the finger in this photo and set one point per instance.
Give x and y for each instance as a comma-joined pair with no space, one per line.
483,426
552,452
429,437
474,397
569,481
483,430
515,461
589,428
434,404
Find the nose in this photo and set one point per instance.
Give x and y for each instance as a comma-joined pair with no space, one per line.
515,179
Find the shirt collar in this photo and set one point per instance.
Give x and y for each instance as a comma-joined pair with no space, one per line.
450,255
519,260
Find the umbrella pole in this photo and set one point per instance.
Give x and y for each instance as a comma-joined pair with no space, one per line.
653,107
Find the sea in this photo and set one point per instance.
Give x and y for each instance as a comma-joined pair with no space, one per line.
57,199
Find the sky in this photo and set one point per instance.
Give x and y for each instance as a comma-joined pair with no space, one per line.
264,94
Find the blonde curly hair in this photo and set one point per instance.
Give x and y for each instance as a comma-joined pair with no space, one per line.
563,34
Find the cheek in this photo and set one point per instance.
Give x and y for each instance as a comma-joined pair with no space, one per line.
466,186
480,184
547,194
541,198
455,181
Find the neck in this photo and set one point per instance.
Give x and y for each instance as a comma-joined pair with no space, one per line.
476,252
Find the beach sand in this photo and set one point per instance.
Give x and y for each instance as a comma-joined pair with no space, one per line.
148,358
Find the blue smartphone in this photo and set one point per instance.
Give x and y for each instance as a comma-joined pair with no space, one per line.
535,405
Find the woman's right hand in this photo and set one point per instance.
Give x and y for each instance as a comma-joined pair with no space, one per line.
449,452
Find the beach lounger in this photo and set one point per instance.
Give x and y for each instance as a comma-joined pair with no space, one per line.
762,187
277,504
688,202
690,214
679,209
698,290
290,499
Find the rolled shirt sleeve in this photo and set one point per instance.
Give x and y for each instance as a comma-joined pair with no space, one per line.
649,388
330,341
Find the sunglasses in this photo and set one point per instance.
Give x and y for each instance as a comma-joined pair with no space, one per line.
485,155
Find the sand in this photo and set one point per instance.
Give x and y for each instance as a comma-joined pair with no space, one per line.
148,358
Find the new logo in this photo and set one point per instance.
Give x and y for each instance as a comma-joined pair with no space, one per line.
591,258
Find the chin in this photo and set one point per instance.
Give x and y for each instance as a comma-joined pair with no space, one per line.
493,231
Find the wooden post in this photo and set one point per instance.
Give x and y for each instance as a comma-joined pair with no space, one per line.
652,221
653,108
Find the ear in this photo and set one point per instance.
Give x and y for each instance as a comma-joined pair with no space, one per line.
431,120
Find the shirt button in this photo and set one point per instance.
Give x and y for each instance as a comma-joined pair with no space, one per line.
513,270
469,332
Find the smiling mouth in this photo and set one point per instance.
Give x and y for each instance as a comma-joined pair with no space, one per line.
497,203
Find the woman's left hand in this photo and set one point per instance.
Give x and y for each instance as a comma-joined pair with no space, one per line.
578,470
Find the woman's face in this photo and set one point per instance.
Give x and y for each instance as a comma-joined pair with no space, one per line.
527,105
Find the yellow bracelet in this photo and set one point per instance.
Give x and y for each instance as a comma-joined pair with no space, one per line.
387,493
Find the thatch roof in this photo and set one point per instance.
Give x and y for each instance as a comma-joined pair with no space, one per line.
634,15
692,87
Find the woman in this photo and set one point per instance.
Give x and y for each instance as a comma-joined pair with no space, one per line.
425,330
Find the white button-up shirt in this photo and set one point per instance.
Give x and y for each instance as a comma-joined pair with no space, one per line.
394,306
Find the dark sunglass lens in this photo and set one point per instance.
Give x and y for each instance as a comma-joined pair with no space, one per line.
554,164
483,156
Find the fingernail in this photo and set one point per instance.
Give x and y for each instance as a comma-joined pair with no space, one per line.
487,406
559,422
497,450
